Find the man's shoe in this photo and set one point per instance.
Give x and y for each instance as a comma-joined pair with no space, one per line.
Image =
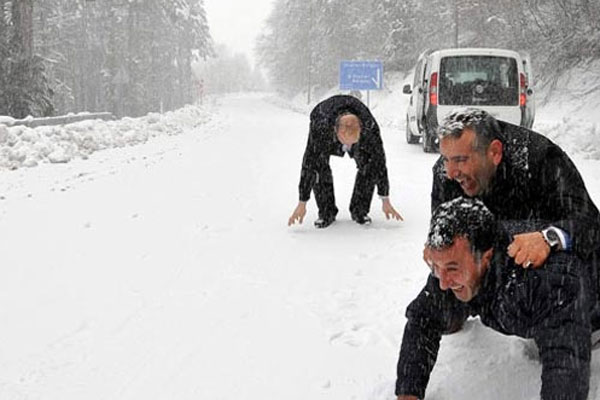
361,219
324,222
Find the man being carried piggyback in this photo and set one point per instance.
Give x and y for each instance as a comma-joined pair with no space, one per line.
472,274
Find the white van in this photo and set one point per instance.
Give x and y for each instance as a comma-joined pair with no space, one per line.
496,80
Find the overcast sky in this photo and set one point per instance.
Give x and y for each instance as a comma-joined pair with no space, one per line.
237,23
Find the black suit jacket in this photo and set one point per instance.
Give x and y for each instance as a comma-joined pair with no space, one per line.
535,181
550,304
322,143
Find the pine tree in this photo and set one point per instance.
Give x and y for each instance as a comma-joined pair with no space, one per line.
25,89
125,56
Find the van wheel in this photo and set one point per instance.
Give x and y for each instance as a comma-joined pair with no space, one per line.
429,142
410,138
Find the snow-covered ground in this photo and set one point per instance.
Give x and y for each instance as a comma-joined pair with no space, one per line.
165,270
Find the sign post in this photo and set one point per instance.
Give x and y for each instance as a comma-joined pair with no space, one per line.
361,75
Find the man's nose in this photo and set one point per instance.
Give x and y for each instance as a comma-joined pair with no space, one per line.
452,171
444,281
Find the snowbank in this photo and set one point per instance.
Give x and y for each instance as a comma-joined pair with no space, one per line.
574,135
21,146
567,111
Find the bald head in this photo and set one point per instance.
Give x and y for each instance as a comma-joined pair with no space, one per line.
347,129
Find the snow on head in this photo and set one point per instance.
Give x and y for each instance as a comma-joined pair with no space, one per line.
461,118
464,217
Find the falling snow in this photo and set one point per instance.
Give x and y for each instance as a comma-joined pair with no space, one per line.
161,266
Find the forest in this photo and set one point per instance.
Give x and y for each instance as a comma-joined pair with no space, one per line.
303,41
127,57
130,57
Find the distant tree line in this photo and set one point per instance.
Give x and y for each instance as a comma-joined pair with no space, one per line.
305,40
227,73
125,56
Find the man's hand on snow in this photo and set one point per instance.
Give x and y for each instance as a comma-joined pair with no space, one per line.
389,210
298,214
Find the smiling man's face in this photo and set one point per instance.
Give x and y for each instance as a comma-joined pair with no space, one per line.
472,168
458,269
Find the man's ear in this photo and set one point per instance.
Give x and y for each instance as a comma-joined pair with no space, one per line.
495,151
486,257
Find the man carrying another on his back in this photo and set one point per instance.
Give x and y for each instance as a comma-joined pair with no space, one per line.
471,274
519,175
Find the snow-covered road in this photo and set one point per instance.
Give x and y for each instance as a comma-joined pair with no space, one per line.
166,271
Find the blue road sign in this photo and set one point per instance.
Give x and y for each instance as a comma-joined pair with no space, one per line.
361,75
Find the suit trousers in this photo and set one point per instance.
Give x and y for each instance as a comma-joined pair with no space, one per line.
362,194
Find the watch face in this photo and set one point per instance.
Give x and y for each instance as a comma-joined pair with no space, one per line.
552,237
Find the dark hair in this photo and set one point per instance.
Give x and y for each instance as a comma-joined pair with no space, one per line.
465,217
484,125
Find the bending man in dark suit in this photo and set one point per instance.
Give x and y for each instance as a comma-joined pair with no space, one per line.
471,274
343,124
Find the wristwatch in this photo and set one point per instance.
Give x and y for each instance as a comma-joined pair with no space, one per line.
552,237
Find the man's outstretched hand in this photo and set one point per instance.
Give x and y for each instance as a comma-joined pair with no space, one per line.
390,211
298,214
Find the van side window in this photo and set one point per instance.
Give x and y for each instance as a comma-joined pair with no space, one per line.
418,73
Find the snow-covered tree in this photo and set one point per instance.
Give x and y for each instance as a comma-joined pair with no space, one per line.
304,41
124,56
25,90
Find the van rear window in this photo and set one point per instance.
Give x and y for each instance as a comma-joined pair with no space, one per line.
478,80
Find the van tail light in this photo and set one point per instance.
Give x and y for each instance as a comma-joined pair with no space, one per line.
523,91
433,89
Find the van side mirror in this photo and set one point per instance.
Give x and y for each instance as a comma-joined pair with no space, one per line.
406,89
529,92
